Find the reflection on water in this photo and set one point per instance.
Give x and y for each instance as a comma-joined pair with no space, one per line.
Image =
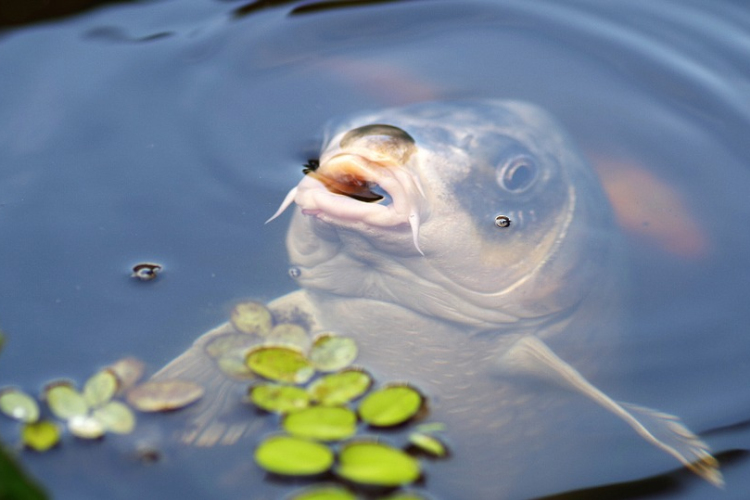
176,151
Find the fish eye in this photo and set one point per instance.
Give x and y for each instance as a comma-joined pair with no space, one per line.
517,175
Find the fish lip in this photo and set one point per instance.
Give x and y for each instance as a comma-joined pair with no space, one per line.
315,199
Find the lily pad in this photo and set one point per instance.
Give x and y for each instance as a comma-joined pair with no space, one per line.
115,417
230,350
252,317
428,444
40,436
164,395
325,492
290,334
293,456
322,423
279,398
330,352
281,364
377,464
100,388
86,427
19,405
128,371
390,405
341,387
65,401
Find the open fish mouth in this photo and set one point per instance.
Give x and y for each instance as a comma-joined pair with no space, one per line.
356,187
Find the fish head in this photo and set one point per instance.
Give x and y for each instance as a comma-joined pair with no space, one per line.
480,213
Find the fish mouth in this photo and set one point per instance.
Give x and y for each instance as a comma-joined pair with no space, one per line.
350,187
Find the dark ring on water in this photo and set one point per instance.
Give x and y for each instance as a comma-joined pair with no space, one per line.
502,221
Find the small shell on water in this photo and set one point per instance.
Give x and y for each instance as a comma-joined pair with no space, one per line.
146,271
502,221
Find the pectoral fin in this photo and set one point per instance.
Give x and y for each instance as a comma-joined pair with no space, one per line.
529,355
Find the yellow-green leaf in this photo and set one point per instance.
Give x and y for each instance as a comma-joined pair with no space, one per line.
252,318
100,388
293,456
40,436
279,398
428,444
341,387
19,405
281,364
115,417
391,405
373,463
331,352
64,401
322,423
86,427
324,492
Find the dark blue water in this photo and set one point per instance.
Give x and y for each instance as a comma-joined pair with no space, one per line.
169,132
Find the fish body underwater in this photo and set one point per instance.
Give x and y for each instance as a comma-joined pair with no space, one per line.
395,240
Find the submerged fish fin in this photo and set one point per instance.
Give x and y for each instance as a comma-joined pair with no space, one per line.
414,223
210,420
532,356
288,200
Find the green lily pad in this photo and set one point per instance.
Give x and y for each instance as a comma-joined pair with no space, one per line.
281,364
100,388
330,352
115,417
19,405
252,318
293,456
40,436
128,371
404,495
325,492
290,334
390,405
230,350
86,427
322,423
65,401
279,398
428,444
341,387
164,395
377,464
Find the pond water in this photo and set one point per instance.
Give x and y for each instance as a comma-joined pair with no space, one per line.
169,131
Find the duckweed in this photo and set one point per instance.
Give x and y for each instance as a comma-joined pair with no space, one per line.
391,405
287,455
374,463
279,398
40,436
330,352
322,423
280,364
428,444
341,387
325,492
18,405
252,318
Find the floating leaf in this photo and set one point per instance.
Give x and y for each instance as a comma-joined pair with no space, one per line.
378,464
128,371
331,352
340,388
281,364
164,395
19,405
290,334
40,436
279,398
64,401
86,427
391,405
428,444
325,492
230,350
115,417
293,456
100,388
404,495
322,423
431,427
252,318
